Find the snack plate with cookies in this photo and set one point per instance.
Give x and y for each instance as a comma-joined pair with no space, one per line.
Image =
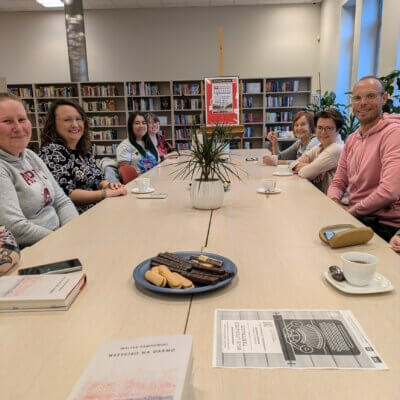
184,272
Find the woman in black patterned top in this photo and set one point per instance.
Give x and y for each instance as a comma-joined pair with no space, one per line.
66,152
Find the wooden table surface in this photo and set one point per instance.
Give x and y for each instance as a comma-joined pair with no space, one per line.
273,241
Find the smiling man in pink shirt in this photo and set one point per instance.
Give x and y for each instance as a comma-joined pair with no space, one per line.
369,166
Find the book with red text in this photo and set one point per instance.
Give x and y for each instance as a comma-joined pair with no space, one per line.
40,292
158,367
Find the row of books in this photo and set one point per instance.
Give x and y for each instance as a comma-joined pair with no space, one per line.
248,101
143,89
100,90
248,132
284,116
280,101
187,104
102,150
183,133
55,91
21,92
252,117
183,146
252,87
281,128
282,86
105,105
109,134
184,89
142,104
105,120
188,119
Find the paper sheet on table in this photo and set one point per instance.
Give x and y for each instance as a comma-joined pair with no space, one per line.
292,339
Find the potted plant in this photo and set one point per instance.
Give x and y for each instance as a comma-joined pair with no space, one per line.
209,168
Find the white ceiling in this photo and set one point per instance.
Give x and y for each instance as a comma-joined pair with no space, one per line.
31,5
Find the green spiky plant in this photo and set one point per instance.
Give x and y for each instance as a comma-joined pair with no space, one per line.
207,160
391,83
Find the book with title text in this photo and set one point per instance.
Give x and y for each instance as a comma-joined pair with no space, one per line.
40,292
149,368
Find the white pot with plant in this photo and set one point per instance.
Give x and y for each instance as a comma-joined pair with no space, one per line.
208,167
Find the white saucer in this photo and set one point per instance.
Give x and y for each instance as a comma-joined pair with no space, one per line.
263,191
282,173
137,191
379,284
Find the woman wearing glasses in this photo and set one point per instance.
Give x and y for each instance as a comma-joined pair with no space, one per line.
66,152
319,164
138,150
156,136
303,129
32,203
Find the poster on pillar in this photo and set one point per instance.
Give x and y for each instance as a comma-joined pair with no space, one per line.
222,101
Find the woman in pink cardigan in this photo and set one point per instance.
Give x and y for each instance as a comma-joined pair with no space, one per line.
369,166
319,163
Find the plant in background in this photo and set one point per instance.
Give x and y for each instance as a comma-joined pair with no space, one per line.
207,160
328,100
391,83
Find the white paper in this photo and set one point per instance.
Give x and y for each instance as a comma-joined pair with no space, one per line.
292,339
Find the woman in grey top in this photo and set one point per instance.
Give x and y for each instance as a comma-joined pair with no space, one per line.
32,203
303,129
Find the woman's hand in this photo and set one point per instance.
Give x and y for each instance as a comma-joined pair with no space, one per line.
267,160
115,185
395,243
120,191
271,136
299,166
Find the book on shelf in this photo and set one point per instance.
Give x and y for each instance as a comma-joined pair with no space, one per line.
40,292
279,101
165,103
163,119
158,367
104,120
186,89
284,116
109,134
282,86
55,91
100,90
252,87
21,91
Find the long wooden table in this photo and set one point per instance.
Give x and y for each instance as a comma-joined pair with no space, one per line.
273,240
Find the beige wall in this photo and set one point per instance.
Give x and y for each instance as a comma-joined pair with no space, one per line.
171,43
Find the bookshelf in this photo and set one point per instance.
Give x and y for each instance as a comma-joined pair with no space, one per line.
266,104
283,98
188,110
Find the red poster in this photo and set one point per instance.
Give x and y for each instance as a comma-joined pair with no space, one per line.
222,101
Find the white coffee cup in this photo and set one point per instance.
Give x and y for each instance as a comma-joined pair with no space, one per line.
268,184
283,168
143,184
358,268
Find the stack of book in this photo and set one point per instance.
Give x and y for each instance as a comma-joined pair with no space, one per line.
149,368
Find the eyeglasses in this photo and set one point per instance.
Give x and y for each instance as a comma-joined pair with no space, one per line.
327,129
368,97
137,123
70,121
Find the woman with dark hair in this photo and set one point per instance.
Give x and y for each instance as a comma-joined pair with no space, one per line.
303,129
319,164
66,152
138,150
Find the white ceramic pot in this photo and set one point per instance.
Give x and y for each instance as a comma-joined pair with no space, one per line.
207,195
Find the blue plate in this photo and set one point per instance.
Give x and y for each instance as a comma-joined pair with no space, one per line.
144,266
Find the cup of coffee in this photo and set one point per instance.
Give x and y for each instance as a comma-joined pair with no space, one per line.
358,268
143,184
268,185
283,168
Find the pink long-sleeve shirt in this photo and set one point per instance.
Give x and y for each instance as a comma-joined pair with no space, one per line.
369,167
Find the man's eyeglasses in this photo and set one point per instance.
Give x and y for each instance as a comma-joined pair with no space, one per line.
327,129
368,97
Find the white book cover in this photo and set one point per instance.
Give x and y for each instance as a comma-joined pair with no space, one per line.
149,368
36,292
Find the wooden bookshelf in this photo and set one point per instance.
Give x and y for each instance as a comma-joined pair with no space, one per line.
265,104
